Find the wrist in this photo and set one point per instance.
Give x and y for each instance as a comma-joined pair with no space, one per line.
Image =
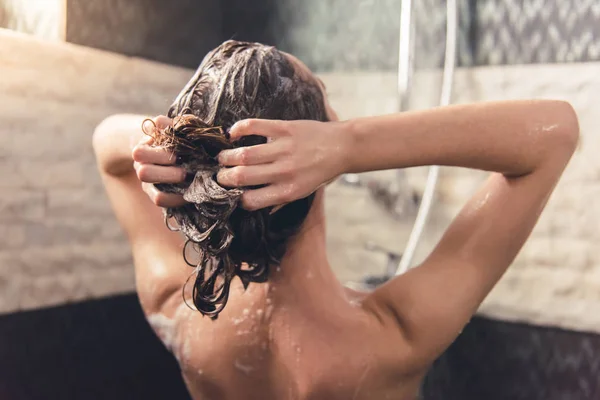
346,139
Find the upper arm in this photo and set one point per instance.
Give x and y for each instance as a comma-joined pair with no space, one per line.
432,303
159,267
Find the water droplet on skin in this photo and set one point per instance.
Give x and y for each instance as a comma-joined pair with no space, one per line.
298,352
269,311
354,302
246,369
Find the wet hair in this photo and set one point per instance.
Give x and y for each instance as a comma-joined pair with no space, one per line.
235,81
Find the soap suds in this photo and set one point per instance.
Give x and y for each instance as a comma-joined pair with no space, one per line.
164,328
186,352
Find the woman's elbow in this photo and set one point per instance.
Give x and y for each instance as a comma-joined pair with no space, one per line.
100,140
103,143
566,127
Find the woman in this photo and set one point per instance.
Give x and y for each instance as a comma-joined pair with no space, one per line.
248,193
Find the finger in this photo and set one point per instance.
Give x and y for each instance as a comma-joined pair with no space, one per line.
150,125
163,122
162,199
151,173
147,139
267,196
262,127
144,153
251,155
250,175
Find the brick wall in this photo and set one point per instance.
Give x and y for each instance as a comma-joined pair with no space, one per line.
59,242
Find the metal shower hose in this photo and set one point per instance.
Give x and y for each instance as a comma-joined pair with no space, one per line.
405,65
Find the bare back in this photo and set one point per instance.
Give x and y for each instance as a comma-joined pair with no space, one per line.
267,345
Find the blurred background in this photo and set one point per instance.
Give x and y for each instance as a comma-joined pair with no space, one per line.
70,323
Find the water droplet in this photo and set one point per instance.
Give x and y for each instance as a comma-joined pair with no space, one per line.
246,369
269,311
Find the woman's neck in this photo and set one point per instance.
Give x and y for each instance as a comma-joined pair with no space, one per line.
304,271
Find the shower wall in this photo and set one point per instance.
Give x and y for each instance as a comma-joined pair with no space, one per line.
499,32
556,278
42,18
350,35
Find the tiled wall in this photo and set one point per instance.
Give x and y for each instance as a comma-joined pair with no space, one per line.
494,32
59,241
348,35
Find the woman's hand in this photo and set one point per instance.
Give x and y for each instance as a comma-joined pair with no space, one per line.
297,159
157,165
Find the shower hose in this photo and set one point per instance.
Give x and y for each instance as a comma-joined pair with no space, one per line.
405,70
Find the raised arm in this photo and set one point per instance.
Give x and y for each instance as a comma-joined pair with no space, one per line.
526,144
159,267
